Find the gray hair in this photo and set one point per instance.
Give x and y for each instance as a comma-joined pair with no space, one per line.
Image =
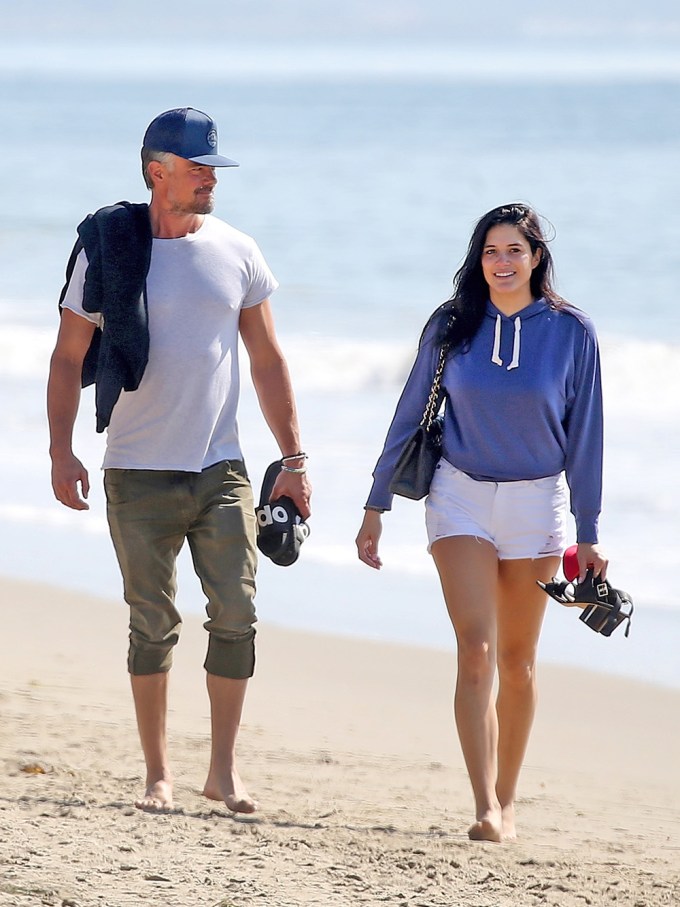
163,157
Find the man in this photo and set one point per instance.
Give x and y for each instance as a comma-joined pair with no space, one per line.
155,300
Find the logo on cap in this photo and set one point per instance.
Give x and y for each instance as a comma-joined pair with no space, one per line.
211,138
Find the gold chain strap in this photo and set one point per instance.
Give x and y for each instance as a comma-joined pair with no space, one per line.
431,407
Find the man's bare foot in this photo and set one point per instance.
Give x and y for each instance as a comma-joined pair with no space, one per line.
509,831
229,789
487,828
157,799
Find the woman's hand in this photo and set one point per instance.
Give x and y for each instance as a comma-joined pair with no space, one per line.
368,538
589,555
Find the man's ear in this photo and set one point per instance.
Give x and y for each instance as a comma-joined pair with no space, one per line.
156,172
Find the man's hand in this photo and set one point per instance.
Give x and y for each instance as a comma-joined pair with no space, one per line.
67,474
63,396
296,487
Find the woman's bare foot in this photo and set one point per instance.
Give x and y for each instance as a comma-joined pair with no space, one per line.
509,831
227,787
157,798
488,827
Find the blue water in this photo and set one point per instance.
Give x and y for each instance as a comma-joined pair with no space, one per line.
361,178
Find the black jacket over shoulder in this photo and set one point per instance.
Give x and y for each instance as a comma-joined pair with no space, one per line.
117,241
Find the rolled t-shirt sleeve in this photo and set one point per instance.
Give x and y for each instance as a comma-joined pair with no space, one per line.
73,298
262,281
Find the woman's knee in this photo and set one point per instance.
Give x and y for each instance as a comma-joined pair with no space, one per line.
476,661
517,668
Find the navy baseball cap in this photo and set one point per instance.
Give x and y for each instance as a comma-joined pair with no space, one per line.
188,133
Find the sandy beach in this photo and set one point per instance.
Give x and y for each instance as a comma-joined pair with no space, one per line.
350,748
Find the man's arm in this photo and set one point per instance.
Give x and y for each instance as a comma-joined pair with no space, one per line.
63,398
275,394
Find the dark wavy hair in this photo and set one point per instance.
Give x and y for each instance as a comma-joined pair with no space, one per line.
462,314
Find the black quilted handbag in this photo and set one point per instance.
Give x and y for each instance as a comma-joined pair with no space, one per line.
420,454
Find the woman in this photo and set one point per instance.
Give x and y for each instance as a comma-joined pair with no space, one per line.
523,407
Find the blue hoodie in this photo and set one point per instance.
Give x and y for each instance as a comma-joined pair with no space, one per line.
523,401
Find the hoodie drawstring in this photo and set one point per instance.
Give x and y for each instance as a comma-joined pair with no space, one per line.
516,344
496,352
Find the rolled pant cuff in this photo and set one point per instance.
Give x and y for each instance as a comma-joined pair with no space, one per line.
149,661
231,658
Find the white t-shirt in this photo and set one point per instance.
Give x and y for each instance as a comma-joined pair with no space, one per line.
183,414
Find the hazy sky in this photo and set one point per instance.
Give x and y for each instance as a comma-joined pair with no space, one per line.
420,20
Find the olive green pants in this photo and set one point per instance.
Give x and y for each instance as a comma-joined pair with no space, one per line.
150,514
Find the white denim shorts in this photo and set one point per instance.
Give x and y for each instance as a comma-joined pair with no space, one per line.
526,519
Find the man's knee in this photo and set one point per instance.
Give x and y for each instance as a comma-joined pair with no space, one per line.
154,633
149,659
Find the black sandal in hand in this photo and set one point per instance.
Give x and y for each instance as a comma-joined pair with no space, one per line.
604,607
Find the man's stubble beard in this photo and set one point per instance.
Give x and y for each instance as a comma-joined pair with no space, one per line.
200,205
204,205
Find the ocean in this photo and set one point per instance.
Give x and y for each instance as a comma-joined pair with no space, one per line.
362,173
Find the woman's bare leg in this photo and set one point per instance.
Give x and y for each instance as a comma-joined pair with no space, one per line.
521,606
468,569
